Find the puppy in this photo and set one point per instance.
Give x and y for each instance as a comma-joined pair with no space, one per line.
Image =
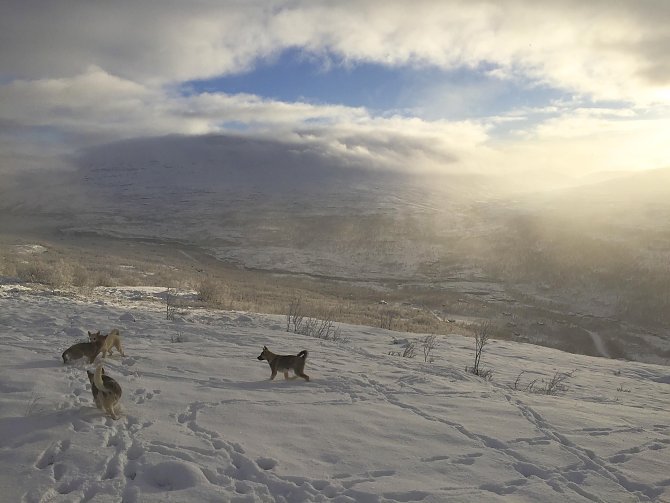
109,341
106,391
88,349
285,363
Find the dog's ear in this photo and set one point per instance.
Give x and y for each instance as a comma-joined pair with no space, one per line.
89,333
265,347
97,333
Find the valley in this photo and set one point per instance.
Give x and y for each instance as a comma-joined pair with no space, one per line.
575,268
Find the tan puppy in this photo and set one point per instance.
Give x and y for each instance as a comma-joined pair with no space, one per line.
88,349
106,391
109,341
285,363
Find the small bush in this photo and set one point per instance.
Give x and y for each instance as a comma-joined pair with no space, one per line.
482,336
429,343
294,316
408,352
177,338
170,307
386,318
80,277
554,386
32,407
34,272
321,329
103,278
213,292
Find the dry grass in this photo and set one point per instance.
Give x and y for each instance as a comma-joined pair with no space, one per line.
222,286
81,265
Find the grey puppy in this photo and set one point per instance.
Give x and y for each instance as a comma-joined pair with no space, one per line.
89,349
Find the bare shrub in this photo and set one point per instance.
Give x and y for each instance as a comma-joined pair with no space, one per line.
553,386
486,374
8,265
556,384
207,291
423,319
170,307
322,327
213,292
482,333
428,344
294,316
56,274
104,278
34,272
408,352
177,338
61,274
80,277
386,318
32,406
515,386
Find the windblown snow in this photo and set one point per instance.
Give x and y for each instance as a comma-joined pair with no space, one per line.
201,421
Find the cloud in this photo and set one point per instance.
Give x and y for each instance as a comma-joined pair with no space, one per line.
75,74
96,107
43,116
608,50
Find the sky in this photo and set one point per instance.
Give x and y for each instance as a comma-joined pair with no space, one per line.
510,86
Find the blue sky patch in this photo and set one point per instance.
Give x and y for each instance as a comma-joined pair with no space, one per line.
428,92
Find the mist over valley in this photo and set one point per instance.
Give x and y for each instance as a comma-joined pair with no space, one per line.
580,265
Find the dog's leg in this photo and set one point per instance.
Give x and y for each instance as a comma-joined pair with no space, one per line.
274,374
119,348
286,374
303,375
109,408
115,409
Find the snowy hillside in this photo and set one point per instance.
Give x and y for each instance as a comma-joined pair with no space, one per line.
202,422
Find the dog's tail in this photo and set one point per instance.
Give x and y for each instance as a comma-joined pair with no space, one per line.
302,354
66,357
97,379
115,331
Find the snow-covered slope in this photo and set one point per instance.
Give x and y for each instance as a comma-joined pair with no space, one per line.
202,422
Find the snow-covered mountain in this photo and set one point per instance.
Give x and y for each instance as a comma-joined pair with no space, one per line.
202,422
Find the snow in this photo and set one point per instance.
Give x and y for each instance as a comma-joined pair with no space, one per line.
202,422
